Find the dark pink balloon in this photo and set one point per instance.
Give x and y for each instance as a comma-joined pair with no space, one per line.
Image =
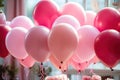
45,12
76,10
107,47
3,33
107,18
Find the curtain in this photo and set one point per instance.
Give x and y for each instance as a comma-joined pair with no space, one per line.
15,8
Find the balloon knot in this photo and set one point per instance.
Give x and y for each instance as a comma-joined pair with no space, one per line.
22,59
59,67
79,70
79,64
64,70
41,63
61,62
111,69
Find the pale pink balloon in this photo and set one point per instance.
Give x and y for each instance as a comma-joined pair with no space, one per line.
76,10
22,21
15,42
2,18
67,19
27,62
57,64
85,48
90,17
62,41
36,43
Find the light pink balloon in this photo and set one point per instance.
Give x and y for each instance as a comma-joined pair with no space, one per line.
67,19
85,48
27,62
2,18
90,17
76,10
36,43
15,42
22,21
57,64
62,41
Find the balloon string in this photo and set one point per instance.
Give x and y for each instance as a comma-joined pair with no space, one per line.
42,72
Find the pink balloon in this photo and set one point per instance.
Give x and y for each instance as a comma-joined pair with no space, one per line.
79,66
45,12
90,17
27,62
22,21
94,59
57,64
15,42
76,10
67,19
36,43
85,48
2,18
62,41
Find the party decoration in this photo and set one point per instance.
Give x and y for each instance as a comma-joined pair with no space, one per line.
3,33
2,18
67,19
36,43
76,10
62,41
45,12
27,62
85,48
90,16
107,47
21,21
107,18
15,42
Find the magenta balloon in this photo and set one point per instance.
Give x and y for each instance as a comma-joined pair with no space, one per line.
27,62
15,42
90,17
45,12
3,33
76,10
107,18
67,19
85,48
36,43
22,21
107,47
62,41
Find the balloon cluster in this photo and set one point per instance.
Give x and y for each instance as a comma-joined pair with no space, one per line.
67,36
